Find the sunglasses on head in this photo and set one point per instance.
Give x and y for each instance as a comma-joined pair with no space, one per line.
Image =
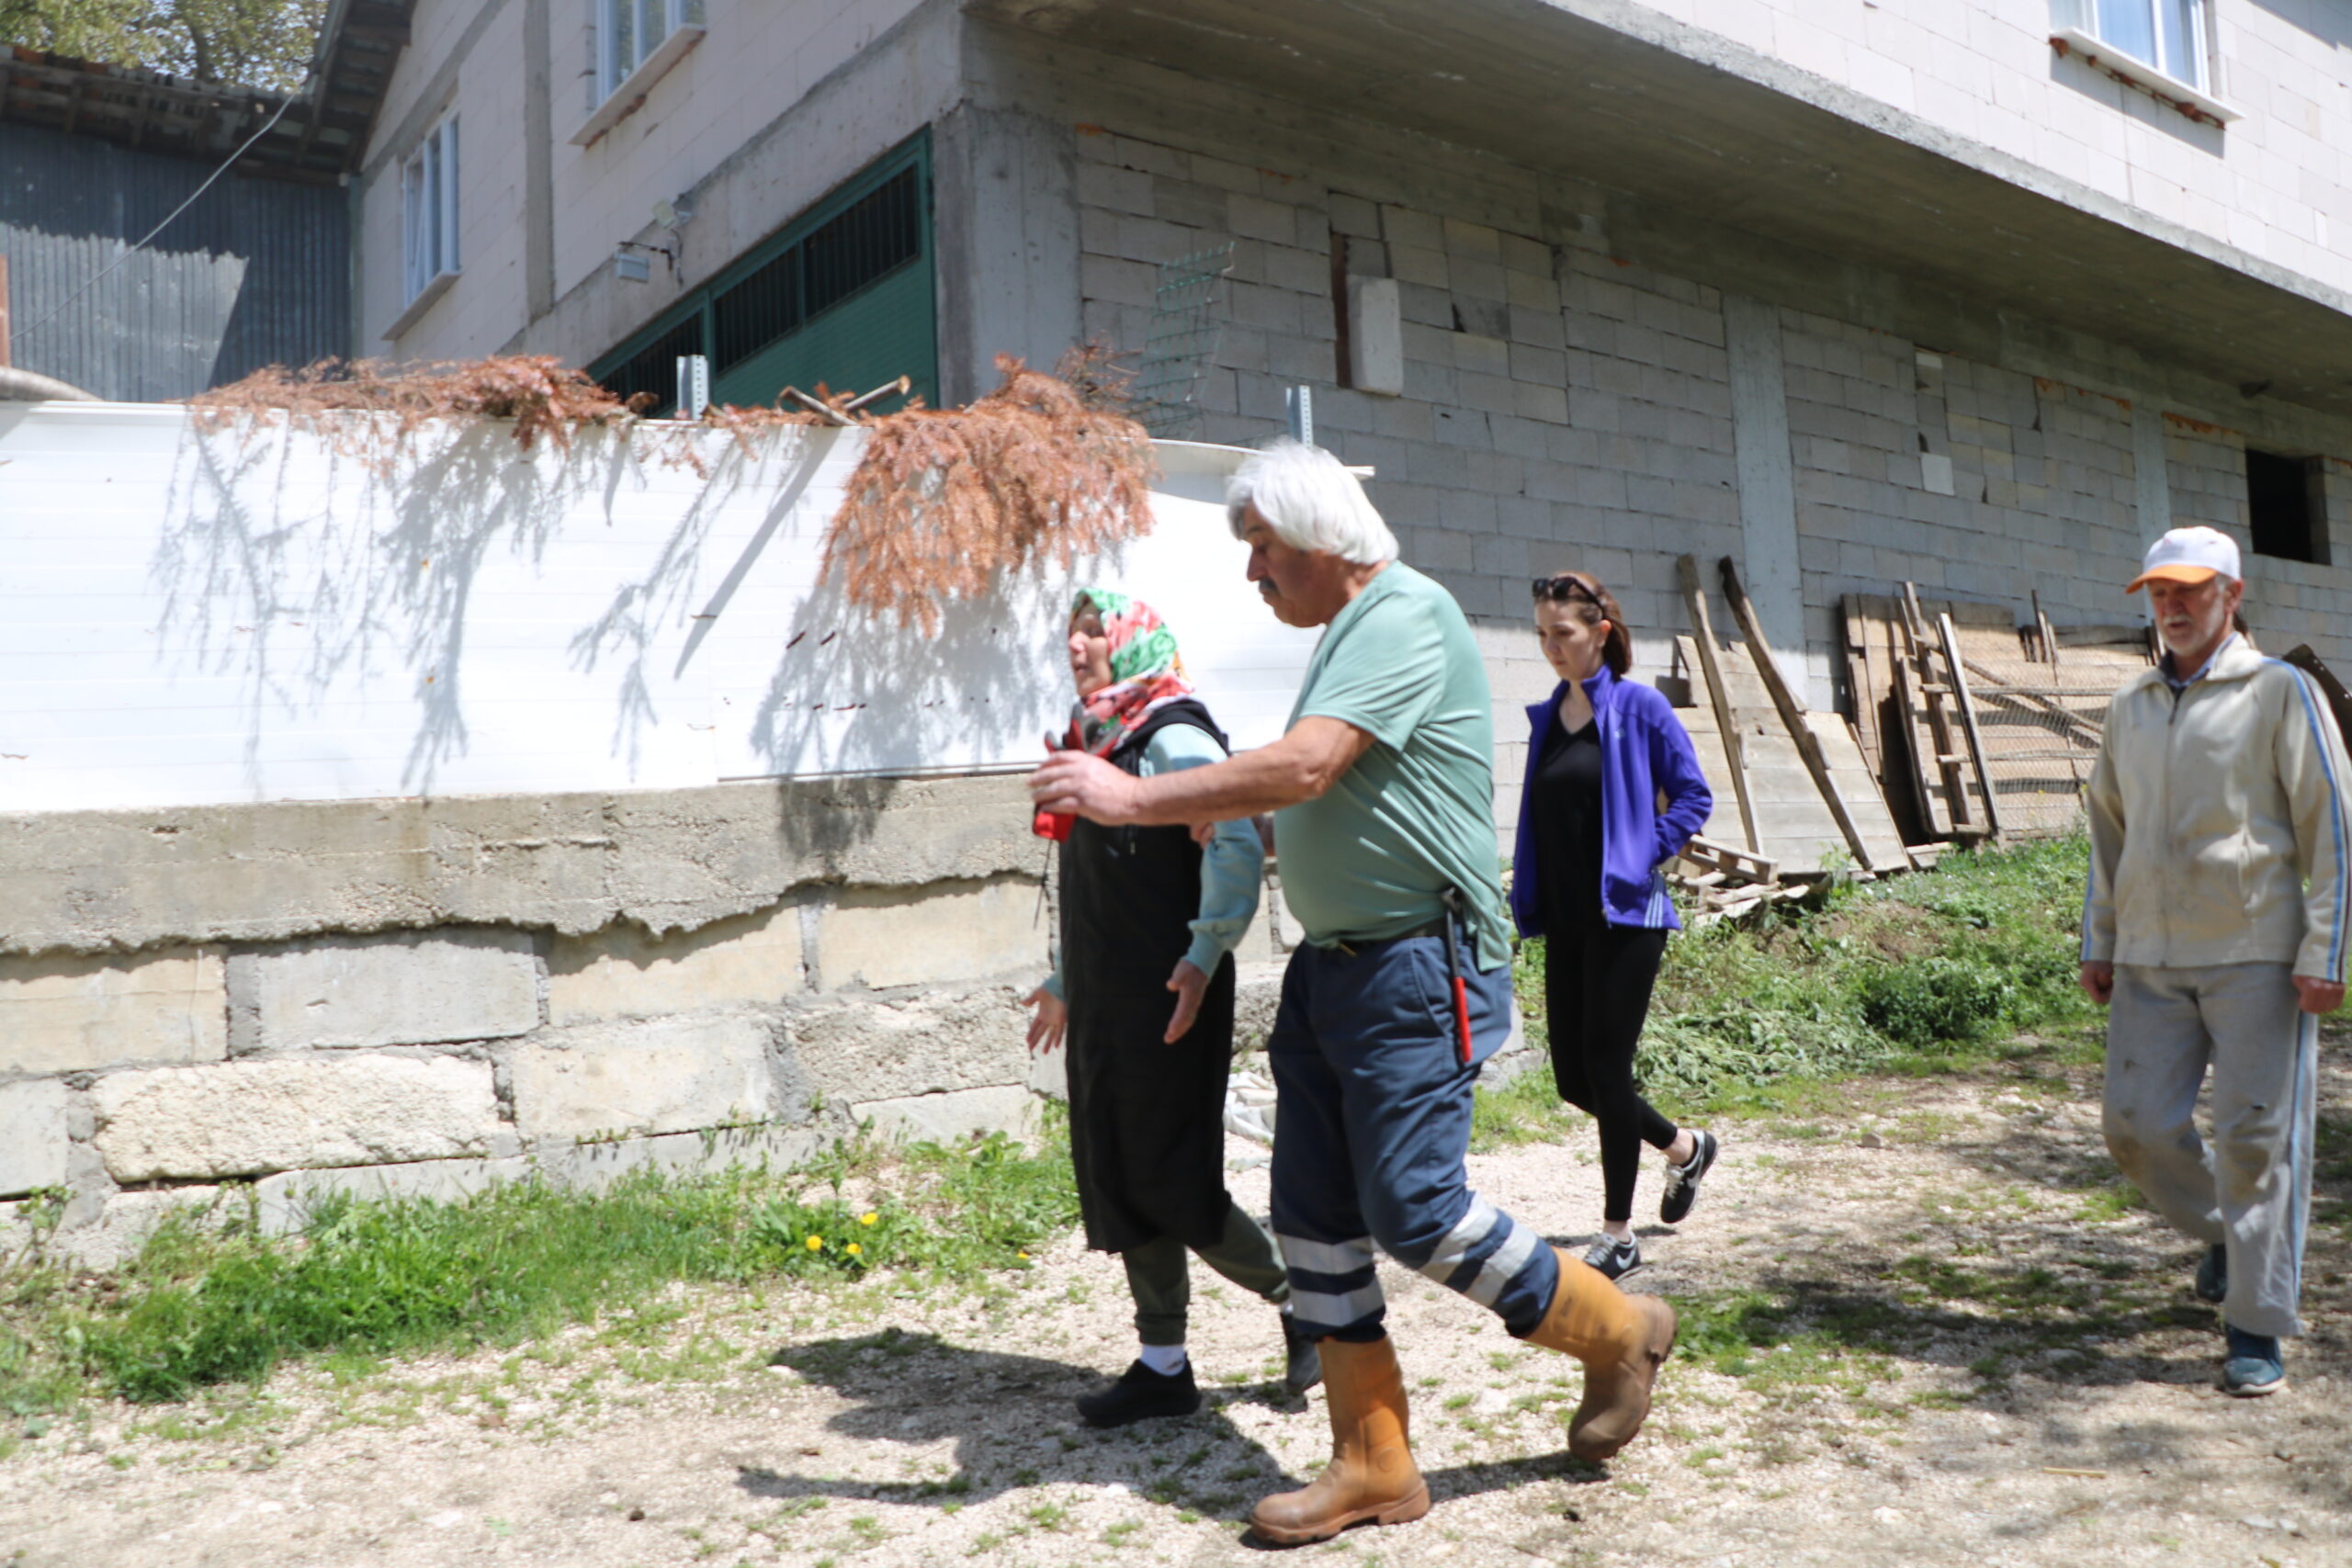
1564,587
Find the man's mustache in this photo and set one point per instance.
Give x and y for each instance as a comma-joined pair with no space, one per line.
1266,586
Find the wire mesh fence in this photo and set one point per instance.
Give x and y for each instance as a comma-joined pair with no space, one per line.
1182,341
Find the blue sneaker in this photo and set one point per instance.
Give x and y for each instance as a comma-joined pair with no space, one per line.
2213,1275
2254,1368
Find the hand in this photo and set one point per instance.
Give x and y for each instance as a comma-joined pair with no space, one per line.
2098,982
1051,1019
1078,785
1202,833
2317,996
1190,985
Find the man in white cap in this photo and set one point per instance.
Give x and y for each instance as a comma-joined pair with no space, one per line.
2214,929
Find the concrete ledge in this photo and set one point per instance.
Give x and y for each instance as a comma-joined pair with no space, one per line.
883,940
401,988
253,1118
129,1218
872,1050
34,1145
285,1201
667,859
664,1076
79,1014
621,972
946,1117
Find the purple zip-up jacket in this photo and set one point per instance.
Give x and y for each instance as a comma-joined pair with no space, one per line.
1644,751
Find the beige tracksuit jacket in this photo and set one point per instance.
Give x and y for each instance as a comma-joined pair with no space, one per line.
2220,823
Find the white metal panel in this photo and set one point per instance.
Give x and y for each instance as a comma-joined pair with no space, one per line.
192,615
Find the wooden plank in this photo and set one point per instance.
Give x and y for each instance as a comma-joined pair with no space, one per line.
1950,639
1695,598
1860,787
1793,715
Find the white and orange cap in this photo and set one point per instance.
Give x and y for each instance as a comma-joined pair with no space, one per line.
2188,555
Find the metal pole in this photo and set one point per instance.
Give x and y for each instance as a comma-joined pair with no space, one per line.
1299,402
5,360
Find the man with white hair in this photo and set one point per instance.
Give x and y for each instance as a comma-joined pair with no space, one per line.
1383,794
2214,929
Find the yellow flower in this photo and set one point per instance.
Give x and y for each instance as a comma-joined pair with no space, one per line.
816,1244
1024,1256
869,1217
855,1250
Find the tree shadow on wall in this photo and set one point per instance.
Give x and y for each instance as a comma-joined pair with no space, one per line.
302,584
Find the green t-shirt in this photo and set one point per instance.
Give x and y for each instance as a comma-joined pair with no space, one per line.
1416,814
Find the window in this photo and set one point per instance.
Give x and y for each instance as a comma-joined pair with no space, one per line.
2169,34
2286,507
429,210
631,33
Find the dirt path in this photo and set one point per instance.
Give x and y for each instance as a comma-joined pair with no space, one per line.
1923,1326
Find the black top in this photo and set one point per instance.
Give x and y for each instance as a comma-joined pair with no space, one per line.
1565,809
1147,1119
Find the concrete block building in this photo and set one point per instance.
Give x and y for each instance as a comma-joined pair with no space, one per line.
1978,294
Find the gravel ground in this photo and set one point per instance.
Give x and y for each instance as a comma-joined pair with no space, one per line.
1992,1358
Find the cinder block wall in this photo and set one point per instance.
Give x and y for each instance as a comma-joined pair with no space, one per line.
424,997
1563,403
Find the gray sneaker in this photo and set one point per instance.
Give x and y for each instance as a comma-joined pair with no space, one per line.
1615,1258
2213,1274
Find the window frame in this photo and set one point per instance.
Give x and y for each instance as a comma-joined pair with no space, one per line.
618,75
2075,30
430,257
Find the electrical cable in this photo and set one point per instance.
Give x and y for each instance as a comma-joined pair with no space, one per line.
104,272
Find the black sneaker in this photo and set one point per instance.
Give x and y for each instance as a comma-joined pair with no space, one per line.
1138,1395
2213,1274
1303,1363
1615,1258
1682,1181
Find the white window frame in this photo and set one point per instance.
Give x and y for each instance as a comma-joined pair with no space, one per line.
429,255
2184,83
633,43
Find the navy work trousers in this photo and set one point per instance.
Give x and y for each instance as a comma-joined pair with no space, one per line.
1372,1124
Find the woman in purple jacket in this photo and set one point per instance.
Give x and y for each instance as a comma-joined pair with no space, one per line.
1613,793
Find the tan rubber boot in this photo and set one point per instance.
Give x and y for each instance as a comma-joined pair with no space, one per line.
1371,1474
1620,1339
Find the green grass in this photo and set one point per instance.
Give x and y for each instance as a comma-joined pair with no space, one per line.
1924,973
212,1303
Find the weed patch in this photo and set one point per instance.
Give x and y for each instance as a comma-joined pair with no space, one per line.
1926,973
207,1304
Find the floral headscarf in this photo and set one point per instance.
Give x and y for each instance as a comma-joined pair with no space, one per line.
1147,671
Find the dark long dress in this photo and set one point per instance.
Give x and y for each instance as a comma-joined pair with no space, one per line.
1146,1118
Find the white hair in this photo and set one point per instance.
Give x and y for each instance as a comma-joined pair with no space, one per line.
1311,502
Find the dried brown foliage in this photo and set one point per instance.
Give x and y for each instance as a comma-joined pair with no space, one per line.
541,394
944,501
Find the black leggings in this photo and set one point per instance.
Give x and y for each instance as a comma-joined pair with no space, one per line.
1597,989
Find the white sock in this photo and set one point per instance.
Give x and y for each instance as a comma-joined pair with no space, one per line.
1165,1359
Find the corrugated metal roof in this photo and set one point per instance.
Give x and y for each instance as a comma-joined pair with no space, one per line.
254,273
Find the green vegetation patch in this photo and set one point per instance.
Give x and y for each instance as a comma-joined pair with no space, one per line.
1928,971
205,1303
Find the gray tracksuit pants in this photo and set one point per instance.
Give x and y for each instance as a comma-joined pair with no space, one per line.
2253,1188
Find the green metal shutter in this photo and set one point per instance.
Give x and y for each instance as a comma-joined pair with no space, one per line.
844,296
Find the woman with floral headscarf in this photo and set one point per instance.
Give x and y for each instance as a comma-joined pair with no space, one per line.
1144,989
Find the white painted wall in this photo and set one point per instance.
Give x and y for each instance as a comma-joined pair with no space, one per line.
190,617
757,59
2272,184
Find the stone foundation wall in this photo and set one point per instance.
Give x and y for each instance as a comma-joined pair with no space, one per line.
424,997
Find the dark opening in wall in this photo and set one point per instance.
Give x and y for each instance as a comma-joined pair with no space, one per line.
2286,506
